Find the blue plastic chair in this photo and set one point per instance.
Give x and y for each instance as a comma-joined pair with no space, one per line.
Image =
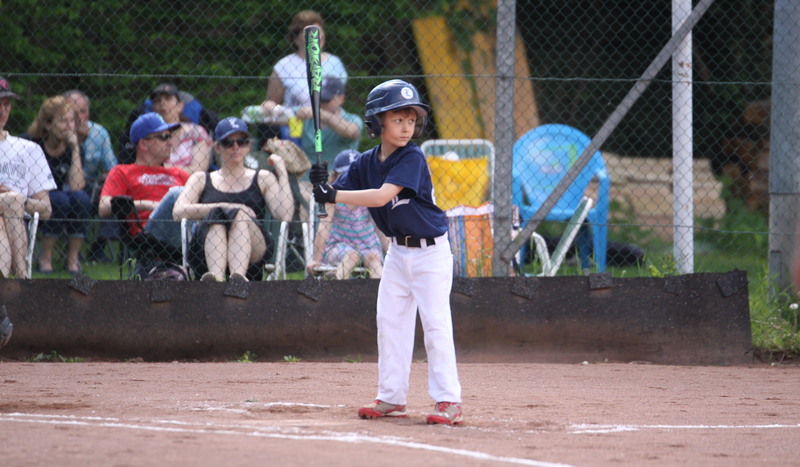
542,157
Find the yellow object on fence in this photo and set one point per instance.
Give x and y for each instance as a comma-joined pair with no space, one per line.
456,182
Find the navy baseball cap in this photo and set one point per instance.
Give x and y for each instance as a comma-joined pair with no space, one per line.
344,159
330,88
228,126
5,89
149,123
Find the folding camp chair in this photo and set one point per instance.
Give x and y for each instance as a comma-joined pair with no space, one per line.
551,264
145,249
322,270
461,170
471,233
274,270
33,225
542,158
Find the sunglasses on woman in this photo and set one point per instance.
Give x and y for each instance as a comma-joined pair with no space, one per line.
229,142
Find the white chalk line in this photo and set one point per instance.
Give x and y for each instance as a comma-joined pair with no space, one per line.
594,429
175,426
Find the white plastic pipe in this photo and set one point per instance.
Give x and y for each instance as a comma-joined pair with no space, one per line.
682,142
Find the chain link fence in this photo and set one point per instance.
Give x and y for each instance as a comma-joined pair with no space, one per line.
574,63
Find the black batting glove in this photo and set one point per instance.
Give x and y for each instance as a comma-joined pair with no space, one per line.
325,194
318,173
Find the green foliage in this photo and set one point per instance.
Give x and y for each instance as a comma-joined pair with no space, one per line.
54,356
661,266
357,359
583,57
624,226
247,357
292,359
222,53
740,229
774,321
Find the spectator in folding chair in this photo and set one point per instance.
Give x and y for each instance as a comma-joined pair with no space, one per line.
147,181
25,180
54,129
231,204
347,237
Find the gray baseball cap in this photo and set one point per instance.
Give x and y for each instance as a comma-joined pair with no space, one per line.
330,88
5,89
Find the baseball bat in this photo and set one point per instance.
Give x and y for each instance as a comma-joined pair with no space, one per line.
314,74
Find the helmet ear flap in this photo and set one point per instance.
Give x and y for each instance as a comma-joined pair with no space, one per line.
373,124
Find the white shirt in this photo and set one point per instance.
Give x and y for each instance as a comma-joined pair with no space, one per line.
23,167
291,69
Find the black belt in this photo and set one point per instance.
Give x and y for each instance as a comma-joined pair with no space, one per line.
413,242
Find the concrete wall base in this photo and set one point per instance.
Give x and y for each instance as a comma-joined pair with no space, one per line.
695,319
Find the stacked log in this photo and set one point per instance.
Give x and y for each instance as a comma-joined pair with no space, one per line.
746,151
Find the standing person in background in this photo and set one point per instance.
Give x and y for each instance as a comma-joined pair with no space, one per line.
25,179
54,129
341,130
288,85
192,150
98,160
394,181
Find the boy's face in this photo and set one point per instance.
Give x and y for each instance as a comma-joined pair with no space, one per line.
398,126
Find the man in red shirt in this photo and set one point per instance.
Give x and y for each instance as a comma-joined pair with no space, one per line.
146,180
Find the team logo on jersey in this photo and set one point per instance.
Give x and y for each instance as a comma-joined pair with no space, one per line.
407,93
399,202
157,179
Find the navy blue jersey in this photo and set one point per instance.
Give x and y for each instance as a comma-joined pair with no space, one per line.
413,211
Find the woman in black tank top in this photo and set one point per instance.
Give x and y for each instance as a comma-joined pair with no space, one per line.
233,202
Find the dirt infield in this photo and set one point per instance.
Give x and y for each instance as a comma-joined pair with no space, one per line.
123,414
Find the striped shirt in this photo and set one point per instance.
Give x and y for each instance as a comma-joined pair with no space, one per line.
351,228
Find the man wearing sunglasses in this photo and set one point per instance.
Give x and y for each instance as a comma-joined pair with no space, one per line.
146,181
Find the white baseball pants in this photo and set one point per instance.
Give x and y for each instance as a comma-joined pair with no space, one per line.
412,278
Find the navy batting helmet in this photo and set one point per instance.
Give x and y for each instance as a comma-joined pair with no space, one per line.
391,95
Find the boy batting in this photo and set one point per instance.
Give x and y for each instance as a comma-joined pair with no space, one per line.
393,181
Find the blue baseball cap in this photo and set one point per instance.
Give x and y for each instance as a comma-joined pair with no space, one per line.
344,159
149,123
228,126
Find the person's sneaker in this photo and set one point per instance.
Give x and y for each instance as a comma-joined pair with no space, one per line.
447,413
238,277
209,277
378,408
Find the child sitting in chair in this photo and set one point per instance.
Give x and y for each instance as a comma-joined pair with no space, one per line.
347,236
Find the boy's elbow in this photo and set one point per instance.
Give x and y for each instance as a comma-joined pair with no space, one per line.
381,200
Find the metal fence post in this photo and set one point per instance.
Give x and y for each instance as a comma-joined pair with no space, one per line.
784,177
504,131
